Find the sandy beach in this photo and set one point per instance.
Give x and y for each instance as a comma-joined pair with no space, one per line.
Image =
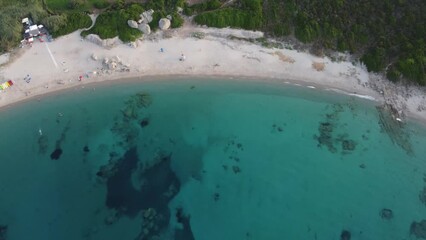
71,61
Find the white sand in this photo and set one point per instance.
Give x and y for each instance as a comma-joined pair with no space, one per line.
57,65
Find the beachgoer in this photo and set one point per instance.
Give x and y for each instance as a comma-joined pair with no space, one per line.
80,77
161,50
182,58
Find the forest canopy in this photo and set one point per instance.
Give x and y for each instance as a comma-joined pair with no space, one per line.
387,35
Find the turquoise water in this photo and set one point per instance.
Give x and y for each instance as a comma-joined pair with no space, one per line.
207,159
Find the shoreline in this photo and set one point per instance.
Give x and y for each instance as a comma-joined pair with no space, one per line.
212,57
178,77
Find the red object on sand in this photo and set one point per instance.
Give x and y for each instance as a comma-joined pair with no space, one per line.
80,77
10,82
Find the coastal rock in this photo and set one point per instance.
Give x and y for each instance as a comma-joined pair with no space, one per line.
106,43
94,57
146,16
132,24
145,28
164,24
418,229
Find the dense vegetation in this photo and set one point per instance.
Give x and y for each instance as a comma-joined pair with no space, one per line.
113,21
387,35
246,14
76,5
12,12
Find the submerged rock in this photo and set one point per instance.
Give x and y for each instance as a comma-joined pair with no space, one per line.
144,122
422,196
345,235
386,214
418,229
394,128
86,149
348,145
3,232
186,232
56,154
127,200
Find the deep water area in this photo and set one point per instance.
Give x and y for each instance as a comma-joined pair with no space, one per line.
211,159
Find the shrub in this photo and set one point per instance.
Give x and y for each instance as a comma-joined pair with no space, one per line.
114,23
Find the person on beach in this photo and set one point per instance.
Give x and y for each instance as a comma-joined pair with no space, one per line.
182,58
161,50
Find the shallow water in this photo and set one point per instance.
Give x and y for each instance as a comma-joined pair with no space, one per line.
240,160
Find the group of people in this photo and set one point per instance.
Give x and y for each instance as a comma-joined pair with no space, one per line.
182,56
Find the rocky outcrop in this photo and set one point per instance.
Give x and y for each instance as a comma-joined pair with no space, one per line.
145,28
132,24
146,17
107,43
164,24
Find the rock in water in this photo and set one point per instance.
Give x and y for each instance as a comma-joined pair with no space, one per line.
386,214
144,122
56,154
3,232
126,199
164,24
418,229
132,24
186,232
345,235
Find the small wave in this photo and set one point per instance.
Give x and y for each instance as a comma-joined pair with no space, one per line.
368,97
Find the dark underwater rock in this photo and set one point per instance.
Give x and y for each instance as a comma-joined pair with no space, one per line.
326,136
158,179
418,229
422,196
348,145
186,232
144,122
86,149
393,128
236,169
152,224
3,232
55,155
345,235
386,213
